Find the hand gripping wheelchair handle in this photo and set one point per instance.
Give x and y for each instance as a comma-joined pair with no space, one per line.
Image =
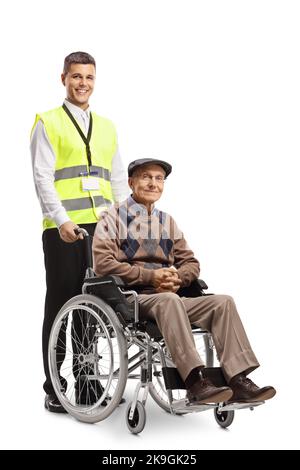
87,247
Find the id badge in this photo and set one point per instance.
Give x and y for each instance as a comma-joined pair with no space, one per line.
90,183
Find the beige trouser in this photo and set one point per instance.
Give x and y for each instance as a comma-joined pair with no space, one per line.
215,313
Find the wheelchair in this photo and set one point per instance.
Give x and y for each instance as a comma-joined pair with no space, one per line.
98,341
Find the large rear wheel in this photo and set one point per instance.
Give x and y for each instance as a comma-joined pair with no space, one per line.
88,358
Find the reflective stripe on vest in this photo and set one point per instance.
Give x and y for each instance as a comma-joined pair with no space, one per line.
84,203
76,171
71,163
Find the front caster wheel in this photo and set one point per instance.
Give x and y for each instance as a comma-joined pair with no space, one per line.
224,418
138,421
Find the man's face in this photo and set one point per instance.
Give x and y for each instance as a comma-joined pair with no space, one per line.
147,184
79,82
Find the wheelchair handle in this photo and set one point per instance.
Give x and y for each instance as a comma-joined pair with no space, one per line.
87,247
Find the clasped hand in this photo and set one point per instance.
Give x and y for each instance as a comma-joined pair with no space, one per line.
166,280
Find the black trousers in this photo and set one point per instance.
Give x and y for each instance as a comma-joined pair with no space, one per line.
65,270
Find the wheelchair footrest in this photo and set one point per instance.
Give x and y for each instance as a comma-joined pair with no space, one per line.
240,406
183,406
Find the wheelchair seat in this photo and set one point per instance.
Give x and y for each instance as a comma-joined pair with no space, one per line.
109,288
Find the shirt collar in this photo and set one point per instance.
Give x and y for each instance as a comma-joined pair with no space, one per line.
76,110
131,203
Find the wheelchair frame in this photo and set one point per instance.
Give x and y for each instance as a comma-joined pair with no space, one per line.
110,322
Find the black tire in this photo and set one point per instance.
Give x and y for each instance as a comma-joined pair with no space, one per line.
224,418
137,423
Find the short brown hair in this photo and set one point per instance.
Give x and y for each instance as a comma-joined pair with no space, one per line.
78,58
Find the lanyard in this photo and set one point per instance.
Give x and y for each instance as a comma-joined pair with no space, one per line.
86,139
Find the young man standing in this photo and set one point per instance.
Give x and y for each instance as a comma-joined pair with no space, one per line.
77,172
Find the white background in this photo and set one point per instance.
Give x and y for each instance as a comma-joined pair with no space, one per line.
213,88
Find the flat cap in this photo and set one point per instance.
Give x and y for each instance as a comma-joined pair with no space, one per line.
148,161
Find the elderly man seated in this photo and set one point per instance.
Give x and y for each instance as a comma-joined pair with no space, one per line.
144,246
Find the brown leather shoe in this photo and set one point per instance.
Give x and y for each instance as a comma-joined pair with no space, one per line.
203,391
244,390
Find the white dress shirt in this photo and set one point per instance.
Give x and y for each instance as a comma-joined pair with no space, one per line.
43,164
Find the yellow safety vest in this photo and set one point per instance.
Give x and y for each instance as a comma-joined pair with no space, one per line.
82,206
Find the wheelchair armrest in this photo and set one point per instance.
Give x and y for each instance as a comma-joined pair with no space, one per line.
107,288
116,280
202,284
195,289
